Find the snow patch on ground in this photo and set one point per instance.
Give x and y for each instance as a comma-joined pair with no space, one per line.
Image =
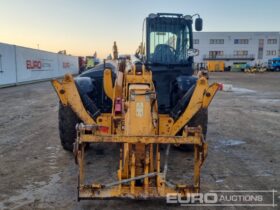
242,90
230,142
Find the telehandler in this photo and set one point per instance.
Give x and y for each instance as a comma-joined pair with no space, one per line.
140,104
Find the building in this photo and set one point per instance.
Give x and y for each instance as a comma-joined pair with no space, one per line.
235,48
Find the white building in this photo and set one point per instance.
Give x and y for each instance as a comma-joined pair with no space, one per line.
237,47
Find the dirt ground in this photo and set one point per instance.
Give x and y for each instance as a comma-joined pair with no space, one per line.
243,137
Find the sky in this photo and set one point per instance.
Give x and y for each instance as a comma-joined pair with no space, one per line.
82,27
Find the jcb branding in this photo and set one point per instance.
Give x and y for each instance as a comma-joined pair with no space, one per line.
139,109
33,64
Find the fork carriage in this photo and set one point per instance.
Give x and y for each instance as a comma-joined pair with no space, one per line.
139,181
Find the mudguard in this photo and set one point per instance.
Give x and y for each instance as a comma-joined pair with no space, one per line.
88,92
184,83
182,91
84,84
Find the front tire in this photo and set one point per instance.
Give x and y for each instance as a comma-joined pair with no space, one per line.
199,119
67,121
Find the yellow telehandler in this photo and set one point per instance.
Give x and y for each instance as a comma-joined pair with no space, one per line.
139,104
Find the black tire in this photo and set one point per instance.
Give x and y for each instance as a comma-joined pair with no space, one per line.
200,119
67,121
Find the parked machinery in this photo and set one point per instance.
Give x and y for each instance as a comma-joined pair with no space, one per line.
255,69
274,64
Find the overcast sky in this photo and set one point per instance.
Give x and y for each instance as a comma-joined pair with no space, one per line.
84,26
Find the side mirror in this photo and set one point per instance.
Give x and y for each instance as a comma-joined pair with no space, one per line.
192,52
198,24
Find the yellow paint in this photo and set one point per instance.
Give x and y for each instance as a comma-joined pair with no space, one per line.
139,130
69,95
201,98
215,66
108,83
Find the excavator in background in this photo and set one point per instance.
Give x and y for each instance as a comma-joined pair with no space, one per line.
139,104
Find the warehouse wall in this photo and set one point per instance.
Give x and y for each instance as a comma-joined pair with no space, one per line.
228,47
20,65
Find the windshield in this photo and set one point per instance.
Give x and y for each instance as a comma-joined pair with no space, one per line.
168,43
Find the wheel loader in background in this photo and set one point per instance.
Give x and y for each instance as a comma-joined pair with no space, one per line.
140,104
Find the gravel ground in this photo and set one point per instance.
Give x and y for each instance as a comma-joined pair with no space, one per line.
243,136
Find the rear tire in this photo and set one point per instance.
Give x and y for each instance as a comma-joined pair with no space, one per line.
67,121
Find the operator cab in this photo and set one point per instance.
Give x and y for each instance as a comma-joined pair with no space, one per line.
169,54
169,40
